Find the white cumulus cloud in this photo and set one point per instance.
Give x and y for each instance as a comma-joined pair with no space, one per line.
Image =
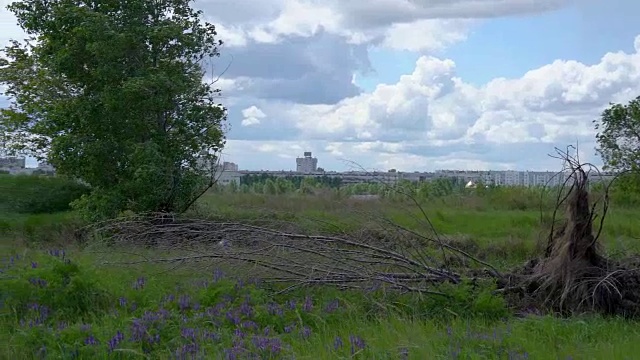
252,116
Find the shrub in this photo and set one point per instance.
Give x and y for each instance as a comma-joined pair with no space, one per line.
38,194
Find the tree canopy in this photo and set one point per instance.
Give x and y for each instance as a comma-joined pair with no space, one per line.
111,92
619,136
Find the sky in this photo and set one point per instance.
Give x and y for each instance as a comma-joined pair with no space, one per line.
417,85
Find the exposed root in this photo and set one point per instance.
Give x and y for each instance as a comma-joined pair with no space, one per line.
573,277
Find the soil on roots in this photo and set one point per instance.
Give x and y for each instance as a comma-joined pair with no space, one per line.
572,277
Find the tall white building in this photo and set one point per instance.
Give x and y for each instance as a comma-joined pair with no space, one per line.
13,164
306,164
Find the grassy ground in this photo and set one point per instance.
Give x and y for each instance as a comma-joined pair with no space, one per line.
74,306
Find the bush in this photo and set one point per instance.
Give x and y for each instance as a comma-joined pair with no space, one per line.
38,194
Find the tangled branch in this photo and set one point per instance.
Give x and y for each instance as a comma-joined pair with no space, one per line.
285,256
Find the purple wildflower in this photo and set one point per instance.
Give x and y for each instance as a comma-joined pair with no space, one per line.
184,303
332,306
289,328
357,343
34,264
238,333
38,282
260,342
188,333
139,284
292,304
122,302
217,275
211,336
337,343
138,330
275,345
308,304
251,325
274,309
246,309
305,332
187,351
90,340
233,317
117,339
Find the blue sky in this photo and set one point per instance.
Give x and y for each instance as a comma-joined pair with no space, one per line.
511,46
443,105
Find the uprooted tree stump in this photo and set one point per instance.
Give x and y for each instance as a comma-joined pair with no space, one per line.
572,276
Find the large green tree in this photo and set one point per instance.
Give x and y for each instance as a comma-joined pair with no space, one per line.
619,136
111,92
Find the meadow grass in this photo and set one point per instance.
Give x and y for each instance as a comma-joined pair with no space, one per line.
71,305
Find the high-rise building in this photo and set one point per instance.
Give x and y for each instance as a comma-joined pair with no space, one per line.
12,163
229,166
306,164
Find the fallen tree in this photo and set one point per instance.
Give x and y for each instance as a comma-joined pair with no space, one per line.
571,276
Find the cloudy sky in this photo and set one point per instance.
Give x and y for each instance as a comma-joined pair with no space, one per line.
418,84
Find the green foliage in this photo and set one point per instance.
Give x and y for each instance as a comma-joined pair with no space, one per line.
112,92
291,182
37,287
625,191
619,136
38,194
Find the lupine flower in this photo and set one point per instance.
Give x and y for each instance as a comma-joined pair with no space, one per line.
233,352
38,282
34,264
138,330
275,345
233,317
357,343
184,302
239,284
57,253
186,350
274,309
246,309
122,302
139,284
292,304
332,306
260,342
211,336
188,333
117,339
289,328
308,304
217,275
251,325
337,343
90,340
238,333
305,332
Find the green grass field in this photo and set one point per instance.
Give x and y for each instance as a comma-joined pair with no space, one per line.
75,306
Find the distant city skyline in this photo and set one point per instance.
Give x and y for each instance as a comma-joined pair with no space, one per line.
227,163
